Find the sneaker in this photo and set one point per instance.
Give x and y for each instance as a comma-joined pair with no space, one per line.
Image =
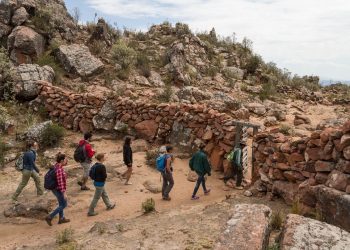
92,214
64,220
194,198
111,207
48,221
85,188
239,187
167,198
207,192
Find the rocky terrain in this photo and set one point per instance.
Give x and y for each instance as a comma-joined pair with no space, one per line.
169,85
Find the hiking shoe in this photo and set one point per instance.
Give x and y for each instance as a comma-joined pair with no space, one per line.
207,192
92,214
84,188
239,188
80,183
48,221
64,220
111,207
194,198
167,198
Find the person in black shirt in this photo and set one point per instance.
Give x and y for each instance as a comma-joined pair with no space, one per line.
127,157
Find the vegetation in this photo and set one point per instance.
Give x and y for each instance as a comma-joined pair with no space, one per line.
49,59
3,150
123,55
65,236
151,156
6,81
286,129
42,20
97,47
296,208
143,64
252,64
52,136
148,206
167,93
268,91
275,246
276,220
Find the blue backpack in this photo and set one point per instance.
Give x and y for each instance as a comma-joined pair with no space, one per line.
50,181
161,162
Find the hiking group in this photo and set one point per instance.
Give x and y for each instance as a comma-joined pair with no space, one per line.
55,179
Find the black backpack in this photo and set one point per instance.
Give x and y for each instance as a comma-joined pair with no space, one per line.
92,172
80,154
50,180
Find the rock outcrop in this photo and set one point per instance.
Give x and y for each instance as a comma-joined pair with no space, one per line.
77,59
37,209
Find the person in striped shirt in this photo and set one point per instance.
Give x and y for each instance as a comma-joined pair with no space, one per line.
60,191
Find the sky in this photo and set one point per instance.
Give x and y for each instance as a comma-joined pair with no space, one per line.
308,37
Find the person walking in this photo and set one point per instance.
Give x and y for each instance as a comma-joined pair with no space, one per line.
127,157
167,174
99,174
60,190
30,170
237,165
200,164
86,164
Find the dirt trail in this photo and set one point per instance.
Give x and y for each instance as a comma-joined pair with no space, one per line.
128,198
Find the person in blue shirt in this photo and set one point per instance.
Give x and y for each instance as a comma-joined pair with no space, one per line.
100,177
30,170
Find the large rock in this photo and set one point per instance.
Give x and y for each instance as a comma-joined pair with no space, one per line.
35,131
152,186
286,190
105,119
242,232
147,129
193,94
256,108
28,75
5,11
37,209
304,233
155,79
5,30
234,72
25,45
338,180
77,59
20,16
331,122
180,136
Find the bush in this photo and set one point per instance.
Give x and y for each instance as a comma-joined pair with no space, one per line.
142,63
42,21
123,55
151,156
90,26
48,59
3,150
167,93
97,47
296,209
268,90
141,36
52,136
148,206
275,246
66,236
213,71
286,129
252,64
276,220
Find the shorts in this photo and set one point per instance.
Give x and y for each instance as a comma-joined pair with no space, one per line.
86,167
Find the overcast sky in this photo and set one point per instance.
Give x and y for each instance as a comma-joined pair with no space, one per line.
305,36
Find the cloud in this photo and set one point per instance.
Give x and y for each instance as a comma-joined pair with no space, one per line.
313,33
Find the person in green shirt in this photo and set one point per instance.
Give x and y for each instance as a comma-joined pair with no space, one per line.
200,164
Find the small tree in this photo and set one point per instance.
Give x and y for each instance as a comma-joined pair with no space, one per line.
123,55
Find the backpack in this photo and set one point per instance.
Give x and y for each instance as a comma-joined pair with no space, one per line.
92,172
161,162
230,155
50,180
19,162
235,159
80,154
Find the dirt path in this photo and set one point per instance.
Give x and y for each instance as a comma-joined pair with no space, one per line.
21,231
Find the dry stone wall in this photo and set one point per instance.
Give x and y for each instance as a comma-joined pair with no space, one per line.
181,124
314,171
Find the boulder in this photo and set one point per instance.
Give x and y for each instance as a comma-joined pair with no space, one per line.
147,129
180,136
343,166
256,108
142,81
301,119
25,45
321,178
35,131
304,233
6,8
105,119
338,180
5,30
234,72
37,209
155,79
217,158
190,93
20,16
28,88
331,123
241,232
346,153
270,121
344,141
152,186
324,166
77,59
286,190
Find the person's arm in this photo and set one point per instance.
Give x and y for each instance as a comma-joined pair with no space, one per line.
104,172
89,152
33,159
168,164
128,156
207,165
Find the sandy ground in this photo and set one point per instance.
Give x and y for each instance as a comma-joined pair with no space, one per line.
18,232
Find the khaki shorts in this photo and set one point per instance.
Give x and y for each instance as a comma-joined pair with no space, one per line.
86,167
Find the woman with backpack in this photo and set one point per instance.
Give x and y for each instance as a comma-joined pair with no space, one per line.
60,190
127,157
167,174
99,174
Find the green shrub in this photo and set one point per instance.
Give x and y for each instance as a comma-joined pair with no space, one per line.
141,36
167,93
286,129
143,64
151,156
123,55
52,136
276,220
296,208
65,236
97,47
213,71
148,206
42,20
48,59
3,150
275,246
268,90
252,64
124,74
